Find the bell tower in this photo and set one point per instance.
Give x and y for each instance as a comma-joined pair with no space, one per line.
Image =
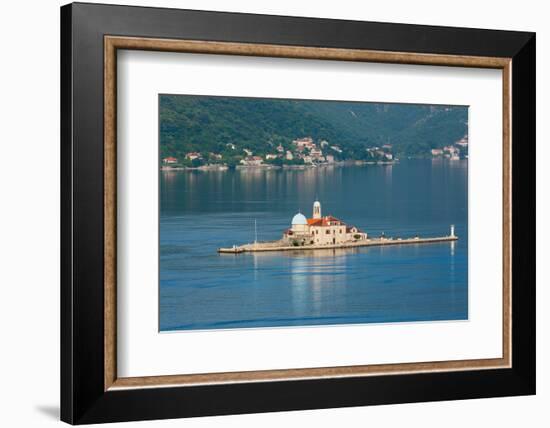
317,209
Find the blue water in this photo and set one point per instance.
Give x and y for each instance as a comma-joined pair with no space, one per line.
201,211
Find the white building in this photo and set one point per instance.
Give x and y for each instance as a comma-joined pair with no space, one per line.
463,142
193,155
252,161
319,230
316,153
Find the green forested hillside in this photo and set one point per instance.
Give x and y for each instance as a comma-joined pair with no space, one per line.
208,124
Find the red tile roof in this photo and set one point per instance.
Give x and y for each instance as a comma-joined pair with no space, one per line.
324,221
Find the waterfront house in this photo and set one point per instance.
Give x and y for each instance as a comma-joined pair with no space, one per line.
316,153
193,155
451,150
252,161
170,160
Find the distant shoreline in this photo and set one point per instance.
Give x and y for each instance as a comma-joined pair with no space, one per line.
268,167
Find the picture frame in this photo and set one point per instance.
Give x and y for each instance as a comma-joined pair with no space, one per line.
91,391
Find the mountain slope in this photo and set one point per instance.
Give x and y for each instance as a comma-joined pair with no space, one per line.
209,124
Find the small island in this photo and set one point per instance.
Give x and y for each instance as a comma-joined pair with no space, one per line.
327,232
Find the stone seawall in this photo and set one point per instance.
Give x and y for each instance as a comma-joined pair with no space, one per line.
271,246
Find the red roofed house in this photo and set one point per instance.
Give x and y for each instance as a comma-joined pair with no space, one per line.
192,155
304,143
170,159
320,230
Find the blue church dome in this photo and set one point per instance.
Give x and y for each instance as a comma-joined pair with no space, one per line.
299,219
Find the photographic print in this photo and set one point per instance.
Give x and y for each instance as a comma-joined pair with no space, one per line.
286,213
306,206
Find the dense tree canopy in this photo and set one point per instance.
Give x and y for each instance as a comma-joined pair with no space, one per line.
217,124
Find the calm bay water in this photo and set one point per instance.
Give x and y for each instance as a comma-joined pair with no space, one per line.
201,211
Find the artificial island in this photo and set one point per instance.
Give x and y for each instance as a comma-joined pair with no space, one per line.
327,232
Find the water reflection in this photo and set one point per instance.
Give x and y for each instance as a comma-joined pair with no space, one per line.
315,279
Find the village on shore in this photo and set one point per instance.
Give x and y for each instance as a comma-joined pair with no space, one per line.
300,154
456,151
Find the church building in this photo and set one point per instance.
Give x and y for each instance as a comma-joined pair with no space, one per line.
319,230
